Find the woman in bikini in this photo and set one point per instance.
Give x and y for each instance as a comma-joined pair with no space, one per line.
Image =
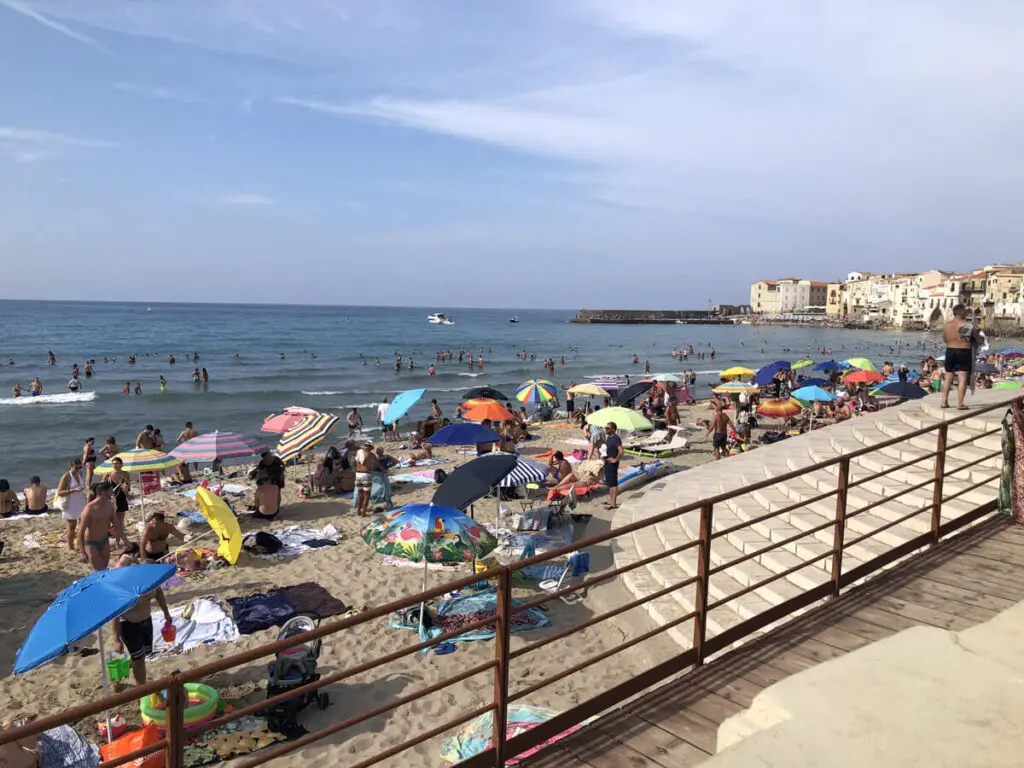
122,483
70,498
110,448
89,458
8,500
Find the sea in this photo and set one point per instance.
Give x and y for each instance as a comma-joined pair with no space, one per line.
325,357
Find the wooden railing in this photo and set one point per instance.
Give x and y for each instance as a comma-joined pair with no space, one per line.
703,644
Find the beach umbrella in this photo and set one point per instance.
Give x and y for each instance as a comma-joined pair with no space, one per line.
428,533
477,402
1011,352
611,383
474,480
589,389
860,362
402,403
735,388
985,368
477,735
488,392
525,471
779,409
863,377
814,383
828,365
624,418
737,372
140,460
766,373
902,389
464,434
223,522
802,363
632,392
1006,385
663,377
492,411
305,435
813,395
217,445
285,419
536,391
911,376
83,608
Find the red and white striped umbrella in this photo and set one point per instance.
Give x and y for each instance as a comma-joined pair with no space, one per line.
217,445
305,435
287,418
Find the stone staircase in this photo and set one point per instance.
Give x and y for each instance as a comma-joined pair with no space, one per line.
798,535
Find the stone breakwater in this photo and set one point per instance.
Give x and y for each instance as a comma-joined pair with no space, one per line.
648,316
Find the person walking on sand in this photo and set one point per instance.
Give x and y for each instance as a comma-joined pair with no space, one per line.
70,500
366,464
133,629
718,428
961,336
612,453
98,518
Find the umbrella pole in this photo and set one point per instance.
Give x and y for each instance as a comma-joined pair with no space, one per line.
106,685
423,604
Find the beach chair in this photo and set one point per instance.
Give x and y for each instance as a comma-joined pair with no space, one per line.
576,566
558,507
656,437
676,445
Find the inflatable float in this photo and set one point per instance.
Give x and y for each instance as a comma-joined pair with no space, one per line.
202,706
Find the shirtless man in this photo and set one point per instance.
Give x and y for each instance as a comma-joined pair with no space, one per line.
36,387
133,629
154,537
187,433
958,334
35,497
145,438
718,428
94,528
366,462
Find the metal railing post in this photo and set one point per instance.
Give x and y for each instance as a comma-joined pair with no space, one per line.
940,474
839,536
177,700
502,638
700,622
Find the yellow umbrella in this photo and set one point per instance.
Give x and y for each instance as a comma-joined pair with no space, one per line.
737,372
735,388
223,522
588,389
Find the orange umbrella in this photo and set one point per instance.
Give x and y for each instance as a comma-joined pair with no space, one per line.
493,411
478,402
866,377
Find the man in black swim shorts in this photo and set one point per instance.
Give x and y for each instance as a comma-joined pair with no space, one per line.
960,336
134,628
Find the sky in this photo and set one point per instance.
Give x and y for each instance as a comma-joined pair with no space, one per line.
578,153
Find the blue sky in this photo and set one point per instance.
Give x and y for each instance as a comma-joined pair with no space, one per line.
649,153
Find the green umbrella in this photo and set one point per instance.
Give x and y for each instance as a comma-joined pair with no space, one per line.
802,363
1006,385
624,418
861,362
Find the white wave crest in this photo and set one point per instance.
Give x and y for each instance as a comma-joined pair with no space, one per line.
65,398
326,392
474,375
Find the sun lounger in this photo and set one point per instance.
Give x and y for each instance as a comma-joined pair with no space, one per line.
657,437
677,444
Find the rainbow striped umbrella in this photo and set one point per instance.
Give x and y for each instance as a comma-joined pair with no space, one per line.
779,409
140,460
735,388
305,435
217,445
536,391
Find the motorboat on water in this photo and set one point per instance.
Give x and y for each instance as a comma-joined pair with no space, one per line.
514,319
439,318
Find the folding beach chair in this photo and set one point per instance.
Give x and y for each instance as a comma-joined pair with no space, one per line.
576,566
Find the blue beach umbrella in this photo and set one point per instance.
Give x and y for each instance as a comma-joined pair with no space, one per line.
813,394
402,403
466,433
83,608
828,365
813,383
903,389
766,373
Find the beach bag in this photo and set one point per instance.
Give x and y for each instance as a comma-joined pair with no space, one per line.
132,742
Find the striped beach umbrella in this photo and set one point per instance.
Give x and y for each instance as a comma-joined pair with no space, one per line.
305,435
525,471
217,445
285,419
536,391
140,460
779,409
735,388
611,383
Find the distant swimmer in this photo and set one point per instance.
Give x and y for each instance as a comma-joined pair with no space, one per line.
281,356
17,389
88,370
236,357
127,390
52,359
36,387
195,376
163,384
138,388
170,359
10,361
205,377
74,385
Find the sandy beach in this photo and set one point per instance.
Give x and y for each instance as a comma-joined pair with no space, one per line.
351,571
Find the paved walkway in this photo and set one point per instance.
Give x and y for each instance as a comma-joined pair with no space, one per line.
963,581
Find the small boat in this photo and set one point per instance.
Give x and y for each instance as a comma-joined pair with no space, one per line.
513,319
439,318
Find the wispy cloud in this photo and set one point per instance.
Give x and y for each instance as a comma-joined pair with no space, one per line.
245,198
162,93
34,136
26,10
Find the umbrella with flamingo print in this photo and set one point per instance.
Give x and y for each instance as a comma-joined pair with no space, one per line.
431,533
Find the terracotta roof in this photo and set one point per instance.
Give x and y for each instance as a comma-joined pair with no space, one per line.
818,283
765,282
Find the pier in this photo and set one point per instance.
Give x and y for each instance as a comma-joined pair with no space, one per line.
650,317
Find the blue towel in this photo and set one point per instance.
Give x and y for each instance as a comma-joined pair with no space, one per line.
580,563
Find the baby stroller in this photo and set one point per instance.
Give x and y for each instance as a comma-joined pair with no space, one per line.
290,669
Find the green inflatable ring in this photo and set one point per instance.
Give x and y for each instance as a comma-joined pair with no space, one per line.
204,709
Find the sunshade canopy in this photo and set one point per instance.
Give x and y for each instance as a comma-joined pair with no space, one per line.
473,480
463,434
624,418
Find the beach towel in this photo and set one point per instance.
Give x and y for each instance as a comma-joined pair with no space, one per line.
260,611
201,622
1011,483
244,736
413,478
312,599
422,462
64,747
25,517
534,519
380,491
296,539
192,516
460,611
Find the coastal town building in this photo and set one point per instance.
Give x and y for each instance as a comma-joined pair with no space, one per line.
992,293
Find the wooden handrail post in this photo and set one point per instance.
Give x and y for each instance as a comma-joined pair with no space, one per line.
700,621
940,474
177,700
839,536
502,638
